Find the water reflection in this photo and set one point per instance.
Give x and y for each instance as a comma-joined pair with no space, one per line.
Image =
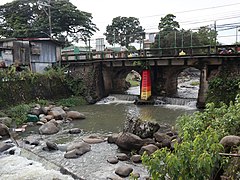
110,118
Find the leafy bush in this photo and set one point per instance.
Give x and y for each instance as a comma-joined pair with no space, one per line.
198,155
19,113
72,101
190,160
223,89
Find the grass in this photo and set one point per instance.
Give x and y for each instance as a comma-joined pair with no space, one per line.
134,83
195,83
72,101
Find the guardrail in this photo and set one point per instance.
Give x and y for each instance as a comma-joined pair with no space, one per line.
154,52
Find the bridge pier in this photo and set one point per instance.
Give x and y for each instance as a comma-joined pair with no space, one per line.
203,88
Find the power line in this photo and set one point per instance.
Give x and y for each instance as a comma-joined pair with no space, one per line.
193,10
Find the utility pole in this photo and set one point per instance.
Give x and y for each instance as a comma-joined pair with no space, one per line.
50,18
215,36
237,34
48,14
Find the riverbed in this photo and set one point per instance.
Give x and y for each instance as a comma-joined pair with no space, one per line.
102,119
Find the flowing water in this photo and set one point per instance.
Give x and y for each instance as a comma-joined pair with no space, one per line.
103,118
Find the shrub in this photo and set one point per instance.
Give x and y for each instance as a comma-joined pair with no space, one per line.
198,155
72,101
19,113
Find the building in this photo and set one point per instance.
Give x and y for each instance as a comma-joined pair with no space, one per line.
37,53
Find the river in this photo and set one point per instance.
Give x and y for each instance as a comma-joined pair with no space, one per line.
103,118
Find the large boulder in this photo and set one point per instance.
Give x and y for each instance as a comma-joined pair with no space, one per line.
57,113
124,171
75,115
129,141
141,128
6,120
112,138
4,131
229,141
149,149
5,146
48,128
77,149
162,140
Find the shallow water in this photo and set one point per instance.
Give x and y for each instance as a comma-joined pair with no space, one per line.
101,119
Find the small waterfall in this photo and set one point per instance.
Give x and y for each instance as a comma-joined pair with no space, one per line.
118,98
190,102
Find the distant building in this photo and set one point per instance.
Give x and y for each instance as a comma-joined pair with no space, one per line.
74,53
115,51
37,53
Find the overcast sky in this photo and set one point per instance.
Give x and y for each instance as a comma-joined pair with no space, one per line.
191,14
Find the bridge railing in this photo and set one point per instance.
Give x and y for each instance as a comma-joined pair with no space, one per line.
154,52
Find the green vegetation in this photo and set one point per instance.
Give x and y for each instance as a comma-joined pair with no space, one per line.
124,30
26,87
30,20
71,101
195,83
19,91
197,156
132,79
19,113
134,83
223,89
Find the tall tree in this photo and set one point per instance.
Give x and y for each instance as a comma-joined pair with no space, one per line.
168,23
22,18
124,30
168,31
171,36
206,36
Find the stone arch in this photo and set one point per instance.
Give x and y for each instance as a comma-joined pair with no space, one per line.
119,78
188,82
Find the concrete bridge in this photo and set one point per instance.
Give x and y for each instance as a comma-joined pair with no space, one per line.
105,73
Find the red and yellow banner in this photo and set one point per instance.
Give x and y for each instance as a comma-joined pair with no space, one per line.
146,84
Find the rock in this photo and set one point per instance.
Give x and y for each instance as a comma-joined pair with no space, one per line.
71,154
51,146
150,148
48,128
57,113
230,141
75,131
49,117
77,149
93,139
112,160
129,141
141,128
40,123
114,177
135,175
35,143
75,115
44,120
136,158
4,130
36,111
66,108
6,120
159,137
123,171
122,157
112,138
5,146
